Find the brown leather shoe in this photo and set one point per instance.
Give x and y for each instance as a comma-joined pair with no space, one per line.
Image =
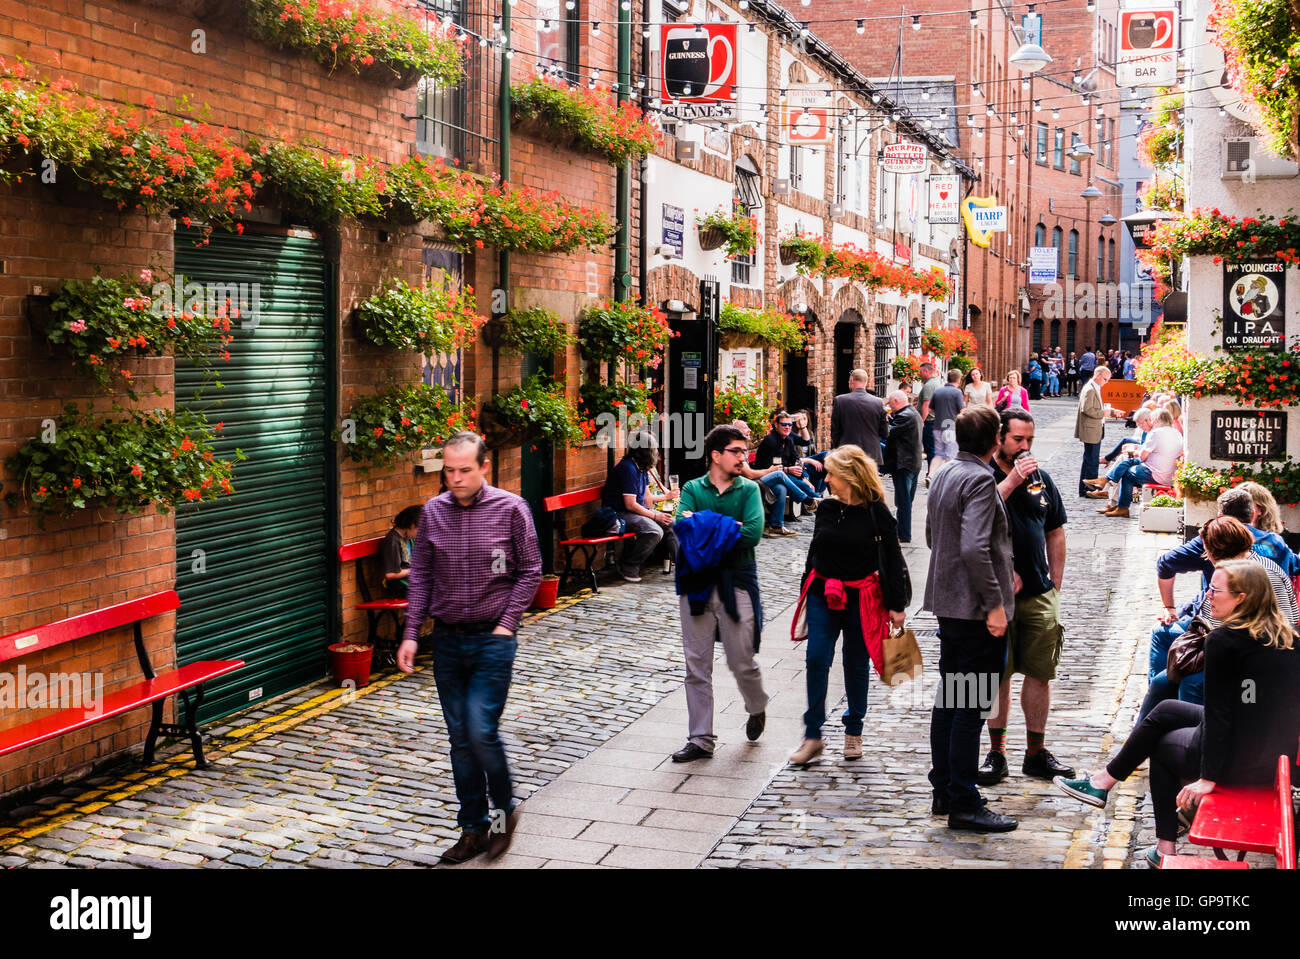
469,845
852,747
1121,511
1108,509
808,750
1099,481
1097,494
499,842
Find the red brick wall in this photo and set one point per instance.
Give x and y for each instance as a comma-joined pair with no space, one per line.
123,52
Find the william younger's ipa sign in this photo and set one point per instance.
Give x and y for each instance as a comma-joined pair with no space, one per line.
1247,435
1254,305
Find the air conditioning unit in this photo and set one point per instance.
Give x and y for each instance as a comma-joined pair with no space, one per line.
1246,159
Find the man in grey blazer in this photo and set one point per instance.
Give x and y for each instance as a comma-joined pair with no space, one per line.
969,588
857,417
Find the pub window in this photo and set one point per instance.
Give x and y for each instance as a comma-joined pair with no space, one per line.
1058,151
1072,257
1074,164
750,199
1101,257
559,35
1040,235
1056,242
1110,253
1041,154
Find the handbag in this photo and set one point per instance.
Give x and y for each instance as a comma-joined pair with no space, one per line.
1003,402
1187,652
902,658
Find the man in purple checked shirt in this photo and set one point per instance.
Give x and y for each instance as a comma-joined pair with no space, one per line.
475,566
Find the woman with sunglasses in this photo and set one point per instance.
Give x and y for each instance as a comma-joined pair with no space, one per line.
1250,717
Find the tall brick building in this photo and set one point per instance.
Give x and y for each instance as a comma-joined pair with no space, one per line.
1003,115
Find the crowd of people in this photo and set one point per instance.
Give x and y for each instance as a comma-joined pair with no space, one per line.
995,526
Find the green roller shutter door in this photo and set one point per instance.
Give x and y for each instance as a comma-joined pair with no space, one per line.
264,594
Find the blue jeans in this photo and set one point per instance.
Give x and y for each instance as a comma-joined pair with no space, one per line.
816,478
927,439
472,671
904,493
1091,455
971,660
1162,637
782,483
824,627
1132,479
1110,457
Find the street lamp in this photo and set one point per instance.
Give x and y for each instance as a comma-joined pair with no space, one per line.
1080,150
1092,193
1107,220
1030,58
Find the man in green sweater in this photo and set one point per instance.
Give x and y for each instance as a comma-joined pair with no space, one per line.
733,610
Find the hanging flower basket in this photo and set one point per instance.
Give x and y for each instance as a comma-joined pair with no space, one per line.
498,433
494,331
39,312
789,254
711,238
397,76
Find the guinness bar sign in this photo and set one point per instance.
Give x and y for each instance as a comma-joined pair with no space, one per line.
1244,435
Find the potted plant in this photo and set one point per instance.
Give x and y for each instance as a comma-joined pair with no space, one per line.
1163,514
733,228
402,419
145,457
585,117
773,328
624,331
395,49
539,411
432,318
537,331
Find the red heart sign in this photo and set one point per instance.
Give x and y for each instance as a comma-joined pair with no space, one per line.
943,194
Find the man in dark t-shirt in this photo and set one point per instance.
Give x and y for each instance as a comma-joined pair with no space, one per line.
1036,515
947,402
625,492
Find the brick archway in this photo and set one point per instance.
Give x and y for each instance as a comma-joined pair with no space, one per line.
673,282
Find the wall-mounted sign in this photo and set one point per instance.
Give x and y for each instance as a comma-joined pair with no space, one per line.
1148,56
1246,435
806,115
675,228
904,158
1212,74
983,217
945,196
1254,305
903,252
698,69
1042,264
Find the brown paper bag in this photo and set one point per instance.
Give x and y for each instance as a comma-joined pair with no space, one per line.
902,658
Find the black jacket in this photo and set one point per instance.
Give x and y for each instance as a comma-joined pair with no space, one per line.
903,450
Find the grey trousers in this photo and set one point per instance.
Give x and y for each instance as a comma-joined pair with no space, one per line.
738,646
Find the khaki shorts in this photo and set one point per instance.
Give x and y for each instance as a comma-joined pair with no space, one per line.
1036,637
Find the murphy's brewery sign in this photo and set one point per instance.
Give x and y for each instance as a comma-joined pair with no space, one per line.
698,70
1254,305
983,217
1246,435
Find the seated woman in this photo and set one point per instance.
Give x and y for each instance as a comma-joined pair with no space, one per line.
1233,740
395,551
1225,540
1156,462
806,443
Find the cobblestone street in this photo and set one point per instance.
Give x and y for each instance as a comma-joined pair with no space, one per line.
324,779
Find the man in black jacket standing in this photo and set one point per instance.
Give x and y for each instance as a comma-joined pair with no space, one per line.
858,417
904,458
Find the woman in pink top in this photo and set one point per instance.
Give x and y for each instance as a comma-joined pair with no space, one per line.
1012,394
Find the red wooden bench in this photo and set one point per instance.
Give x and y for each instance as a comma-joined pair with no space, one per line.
1249,819
588,546
376,609
153,691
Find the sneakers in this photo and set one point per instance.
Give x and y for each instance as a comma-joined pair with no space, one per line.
1151,856
852,747
994,769
772,531
630,577
1083,790
1043,765
808,750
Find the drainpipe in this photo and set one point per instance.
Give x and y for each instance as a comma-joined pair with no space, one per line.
503,264
643,274
622,274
